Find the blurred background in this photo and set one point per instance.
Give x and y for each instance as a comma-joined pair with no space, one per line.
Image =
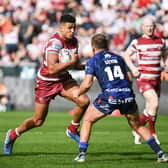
25,26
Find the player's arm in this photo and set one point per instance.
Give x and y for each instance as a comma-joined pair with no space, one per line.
128,73
129,76
85,85
55,67
164,59
129,62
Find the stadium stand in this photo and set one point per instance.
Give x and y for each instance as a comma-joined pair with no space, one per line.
25,25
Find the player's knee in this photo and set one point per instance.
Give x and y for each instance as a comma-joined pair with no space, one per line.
136,127
84,101
134,122
38,123
155,106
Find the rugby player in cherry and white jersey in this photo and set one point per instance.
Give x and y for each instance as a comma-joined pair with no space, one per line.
150,51
60,55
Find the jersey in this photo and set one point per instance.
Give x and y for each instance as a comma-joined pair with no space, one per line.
149,52
56,44
111,73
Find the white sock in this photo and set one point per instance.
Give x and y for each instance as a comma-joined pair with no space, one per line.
145,113
151,113
75,123
17,133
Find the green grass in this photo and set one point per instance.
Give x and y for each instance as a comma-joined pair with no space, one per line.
111,144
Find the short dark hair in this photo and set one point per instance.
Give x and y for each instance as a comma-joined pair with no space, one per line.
67,18
100,41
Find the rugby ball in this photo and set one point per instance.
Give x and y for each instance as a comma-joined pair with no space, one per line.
64,56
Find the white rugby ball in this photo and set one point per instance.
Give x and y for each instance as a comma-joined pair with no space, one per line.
64,56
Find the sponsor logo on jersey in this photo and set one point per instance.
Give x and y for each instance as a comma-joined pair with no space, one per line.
56,46
107,56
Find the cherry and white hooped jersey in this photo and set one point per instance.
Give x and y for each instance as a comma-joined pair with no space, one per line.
56,44
149,52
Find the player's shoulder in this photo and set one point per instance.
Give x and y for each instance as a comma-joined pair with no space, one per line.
91,60
56,37
154,39
138,39
116,56
54,40
159,40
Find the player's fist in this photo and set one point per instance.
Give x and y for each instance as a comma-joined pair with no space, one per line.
74,58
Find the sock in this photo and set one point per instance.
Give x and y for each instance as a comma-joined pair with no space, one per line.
83,146
14,134
144,117
152,120
73,127
155,147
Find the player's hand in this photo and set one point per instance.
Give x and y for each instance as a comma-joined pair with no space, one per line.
166,68
136,72
74,59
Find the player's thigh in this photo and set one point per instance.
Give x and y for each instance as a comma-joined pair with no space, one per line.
92,114
151,97
67,92
40,111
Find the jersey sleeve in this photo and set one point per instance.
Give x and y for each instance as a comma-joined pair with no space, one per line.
133,46
90,67
54,46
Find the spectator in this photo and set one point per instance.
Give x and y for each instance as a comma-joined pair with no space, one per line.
26,28
120,40
11,40
4,99
93,16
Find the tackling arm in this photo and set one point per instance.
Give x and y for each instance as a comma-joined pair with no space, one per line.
86,84
129,76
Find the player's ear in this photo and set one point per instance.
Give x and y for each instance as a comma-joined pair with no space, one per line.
93,50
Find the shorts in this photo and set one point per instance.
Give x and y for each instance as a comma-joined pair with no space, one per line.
47,90
107,108
145,85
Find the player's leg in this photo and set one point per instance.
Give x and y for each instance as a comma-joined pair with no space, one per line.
143,120
142,87
144,115
92,114
40,112
81,102
152,100
134,122
147,89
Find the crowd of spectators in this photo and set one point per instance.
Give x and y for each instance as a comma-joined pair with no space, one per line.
25,25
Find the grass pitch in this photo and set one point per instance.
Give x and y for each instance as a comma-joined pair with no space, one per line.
111,144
